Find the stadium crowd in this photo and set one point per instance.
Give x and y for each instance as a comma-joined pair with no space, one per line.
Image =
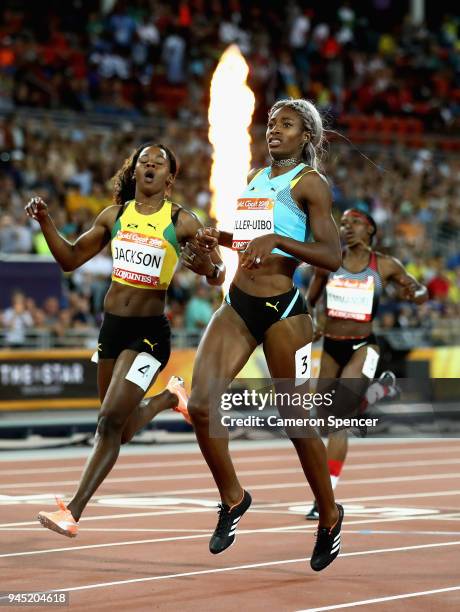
152,60
145,57
414,198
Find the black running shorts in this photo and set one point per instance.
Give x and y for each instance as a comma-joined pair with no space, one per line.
150,335
342,350
260,313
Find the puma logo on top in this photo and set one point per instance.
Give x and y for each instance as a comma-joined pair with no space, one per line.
149,343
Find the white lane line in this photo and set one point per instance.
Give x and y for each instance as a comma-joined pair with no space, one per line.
399,496
349,499
447,517
447,493
153,478
130,515
111,481
303,484
392,446
144,465
259,459
308,528
39,528
150,541
396,532
219,570
365,602
302,530
106,545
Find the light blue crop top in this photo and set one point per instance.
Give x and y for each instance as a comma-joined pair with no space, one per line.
289,220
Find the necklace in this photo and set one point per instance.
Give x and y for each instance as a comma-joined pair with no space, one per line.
282,163
150,205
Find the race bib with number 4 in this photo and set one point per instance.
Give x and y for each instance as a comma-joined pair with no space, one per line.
142,370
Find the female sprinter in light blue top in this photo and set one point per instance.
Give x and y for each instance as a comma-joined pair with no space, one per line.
281,206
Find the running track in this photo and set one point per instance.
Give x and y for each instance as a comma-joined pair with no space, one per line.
144,538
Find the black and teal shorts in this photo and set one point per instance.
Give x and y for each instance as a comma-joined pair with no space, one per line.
260,313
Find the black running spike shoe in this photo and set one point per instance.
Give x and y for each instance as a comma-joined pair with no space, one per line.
225,532
327,545
313,514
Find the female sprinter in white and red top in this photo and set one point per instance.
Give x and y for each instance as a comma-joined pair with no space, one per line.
350,349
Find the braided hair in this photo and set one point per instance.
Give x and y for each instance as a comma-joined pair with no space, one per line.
124,187
312,123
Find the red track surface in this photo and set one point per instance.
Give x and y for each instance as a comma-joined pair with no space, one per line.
155,557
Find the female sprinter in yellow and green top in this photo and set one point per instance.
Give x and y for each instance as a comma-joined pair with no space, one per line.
281,205
145,230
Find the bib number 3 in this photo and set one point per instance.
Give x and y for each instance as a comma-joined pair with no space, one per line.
302,364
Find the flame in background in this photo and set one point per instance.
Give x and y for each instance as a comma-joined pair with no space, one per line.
230,114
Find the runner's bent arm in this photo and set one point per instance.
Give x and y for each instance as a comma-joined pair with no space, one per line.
313,192
72,255
395,272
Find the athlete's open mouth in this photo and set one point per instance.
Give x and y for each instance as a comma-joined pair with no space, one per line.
274,142
149,175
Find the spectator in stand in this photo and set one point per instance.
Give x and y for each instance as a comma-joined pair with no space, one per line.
15,236
414,191
128,60
454,289
16,321
113,61
81,317
439,285
51,309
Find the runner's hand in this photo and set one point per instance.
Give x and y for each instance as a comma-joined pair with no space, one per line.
407,287
258,250
37,209
208,238
196,259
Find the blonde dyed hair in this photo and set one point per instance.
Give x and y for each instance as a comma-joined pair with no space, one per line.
312,123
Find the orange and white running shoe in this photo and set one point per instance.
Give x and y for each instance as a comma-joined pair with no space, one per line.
176,385
61,521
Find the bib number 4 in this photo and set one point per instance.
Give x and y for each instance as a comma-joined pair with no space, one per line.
142,370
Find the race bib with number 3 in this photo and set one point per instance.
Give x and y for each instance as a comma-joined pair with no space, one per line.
302,364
